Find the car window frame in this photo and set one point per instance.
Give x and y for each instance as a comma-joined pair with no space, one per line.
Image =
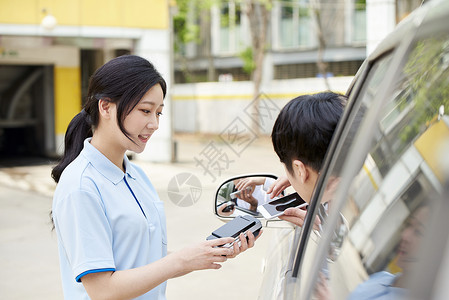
398,51
303,233
298,249
307,227
401,54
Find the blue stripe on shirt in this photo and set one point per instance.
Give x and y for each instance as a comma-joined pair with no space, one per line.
138,203
78,278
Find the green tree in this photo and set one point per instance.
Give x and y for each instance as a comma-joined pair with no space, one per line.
258,12
186,28
427,71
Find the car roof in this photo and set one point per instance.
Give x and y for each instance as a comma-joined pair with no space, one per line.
432,13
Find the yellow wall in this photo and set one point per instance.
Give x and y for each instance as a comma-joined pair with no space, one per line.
111,13
67,96
430,140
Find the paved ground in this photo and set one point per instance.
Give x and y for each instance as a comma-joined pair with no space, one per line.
28,250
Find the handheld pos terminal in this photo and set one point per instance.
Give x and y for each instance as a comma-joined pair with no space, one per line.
235,227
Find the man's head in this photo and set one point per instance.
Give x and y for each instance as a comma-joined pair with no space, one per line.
301,135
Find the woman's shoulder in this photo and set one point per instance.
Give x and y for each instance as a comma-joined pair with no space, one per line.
77,175
76,167
383,276
377,286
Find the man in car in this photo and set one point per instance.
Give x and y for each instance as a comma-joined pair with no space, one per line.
301,135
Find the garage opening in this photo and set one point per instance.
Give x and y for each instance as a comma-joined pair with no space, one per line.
26,114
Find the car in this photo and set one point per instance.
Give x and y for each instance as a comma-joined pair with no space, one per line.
386,230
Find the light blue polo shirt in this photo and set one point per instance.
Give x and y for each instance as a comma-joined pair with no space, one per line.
379,286
106,220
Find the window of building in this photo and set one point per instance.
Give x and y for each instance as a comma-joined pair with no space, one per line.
308,70
358,22
294,25
229,25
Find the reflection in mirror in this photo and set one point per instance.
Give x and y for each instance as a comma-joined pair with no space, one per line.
413,229
242,195
339,235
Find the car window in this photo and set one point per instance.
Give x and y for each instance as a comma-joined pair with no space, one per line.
387,206
373,80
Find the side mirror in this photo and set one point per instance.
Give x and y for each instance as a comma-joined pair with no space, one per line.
231,200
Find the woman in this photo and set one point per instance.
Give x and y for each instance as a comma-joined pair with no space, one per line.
108,217
383,284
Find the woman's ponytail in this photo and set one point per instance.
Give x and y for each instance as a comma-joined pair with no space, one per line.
78,130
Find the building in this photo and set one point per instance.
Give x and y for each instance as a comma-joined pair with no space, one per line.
292,44
209,69
49,49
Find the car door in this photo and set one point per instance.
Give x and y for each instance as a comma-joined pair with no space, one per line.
384,175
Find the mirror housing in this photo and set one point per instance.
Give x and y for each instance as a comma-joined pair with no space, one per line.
230,203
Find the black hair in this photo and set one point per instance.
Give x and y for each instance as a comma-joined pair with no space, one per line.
124,81
304,128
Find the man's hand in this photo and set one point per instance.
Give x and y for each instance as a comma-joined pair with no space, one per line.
297,216
278,186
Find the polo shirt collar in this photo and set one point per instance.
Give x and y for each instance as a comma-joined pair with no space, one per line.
103,165
388,279
129,168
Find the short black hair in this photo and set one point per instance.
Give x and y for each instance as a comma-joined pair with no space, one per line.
305,126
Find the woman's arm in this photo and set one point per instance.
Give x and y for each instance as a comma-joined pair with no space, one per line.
129,284
243,183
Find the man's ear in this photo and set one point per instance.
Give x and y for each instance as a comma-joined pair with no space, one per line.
300,171
105,108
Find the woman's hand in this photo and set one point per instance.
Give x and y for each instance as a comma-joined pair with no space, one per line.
246,186
322,290
248,197
251,182
278,186
245,243
205,255
222,207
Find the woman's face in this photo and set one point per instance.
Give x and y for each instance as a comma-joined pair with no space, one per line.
411,237
143,120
